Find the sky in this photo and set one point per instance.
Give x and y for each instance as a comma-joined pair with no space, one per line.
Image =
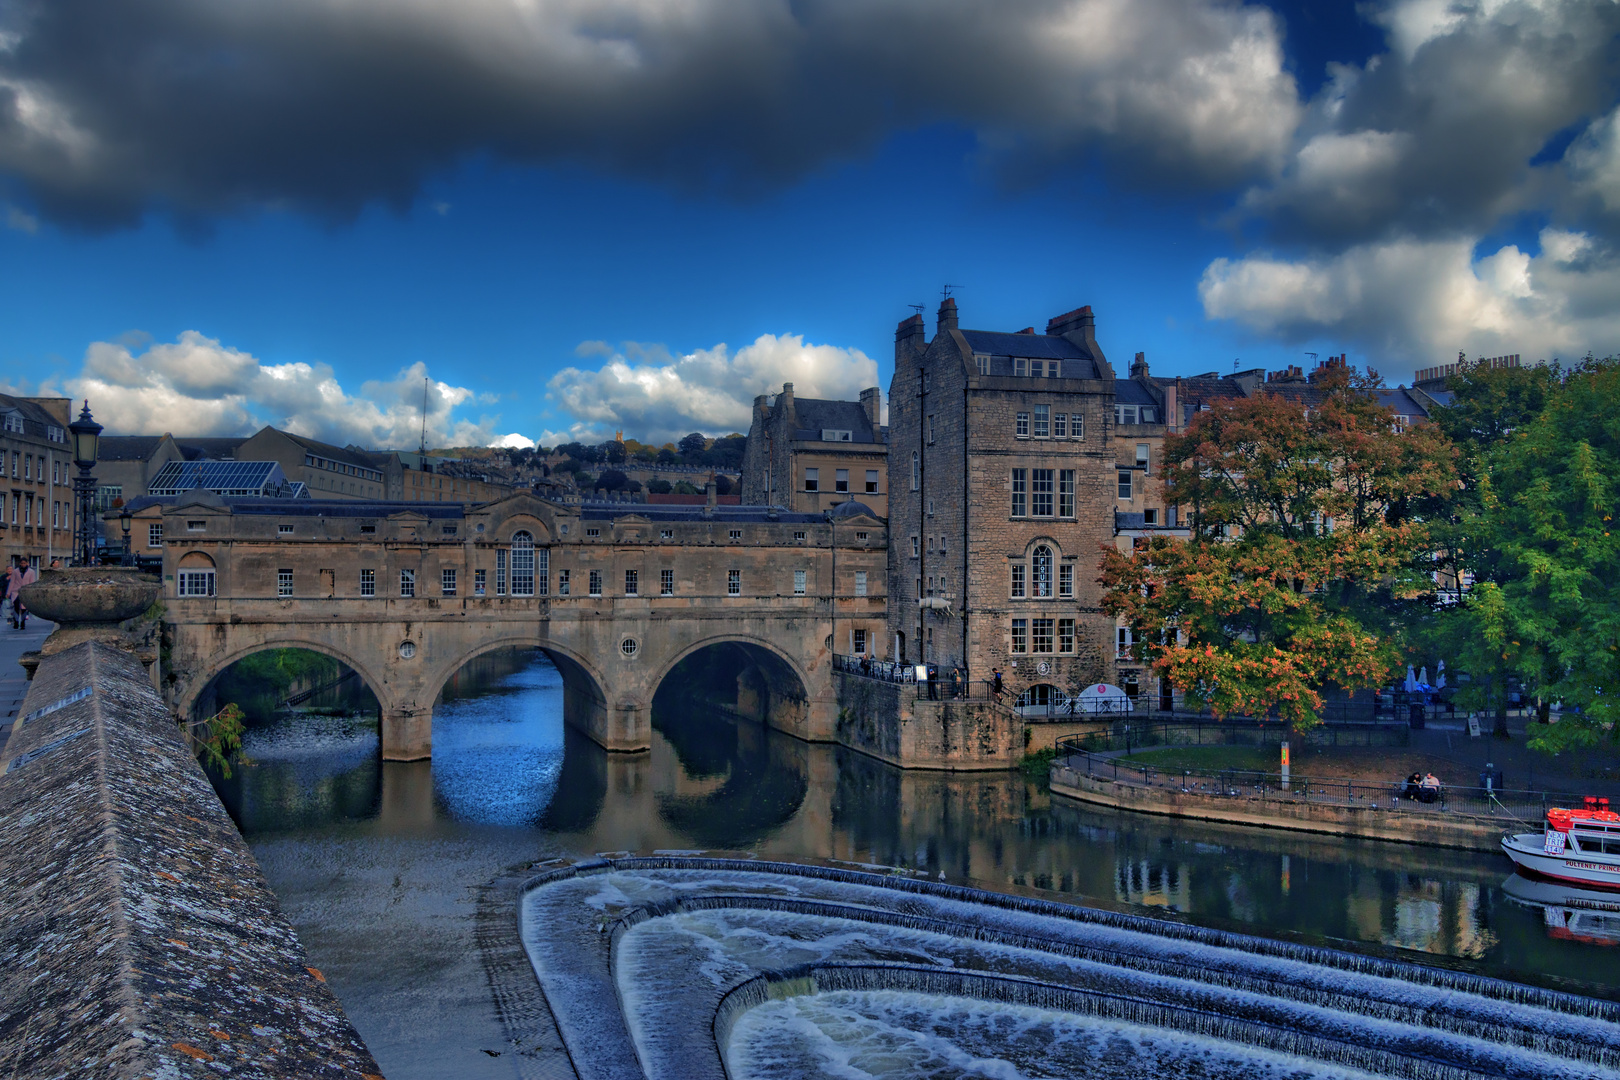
565,218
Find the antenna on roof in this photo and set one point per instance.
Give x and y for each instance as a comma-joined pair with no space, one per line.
945,291
1310,354
1235,362
422,447
918,308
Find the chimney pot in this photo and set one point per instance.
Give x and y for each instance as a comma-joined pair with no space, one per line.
947,314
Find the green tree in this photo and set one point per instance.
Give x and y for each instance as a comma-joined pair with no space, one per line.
1307,552
1538,537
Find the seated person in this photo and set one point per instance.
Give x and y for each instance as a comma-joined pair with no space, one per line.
1414,783
1430,788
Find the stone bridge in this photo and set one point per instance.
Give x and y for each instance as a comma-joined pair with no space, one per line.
615,594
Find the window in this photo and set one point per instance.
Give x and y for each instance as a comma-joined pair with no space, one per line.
195,583
942,544
666,534
871,481
1066,581
1041,492
1020,635
595,583
916,471
930,545
1041,564
1020,492
1170,517
447,530
1124,483
1150,516
1021,427
857,641
284,583
28,510
562,583
542,580
1066,635
1122,642
666,583
593,532
1141,455
632,583
1066,493
983,363
500,571
1040,635
930,427
930,507
56,471
480,579
733,582
860,583
1060,425
1018,590
799,582
368,529
284,530
1043,421
832,435
736,536
841,480
812,479
1125,414
916,547
447,582
56,514
1148,414
28,465
629,646
860,536
407,583
522,564
1077,426
1020,366
368,583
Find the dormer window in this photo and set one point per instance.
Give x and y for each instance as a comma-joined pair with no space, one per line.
13,421
982,362
1125,414
834,435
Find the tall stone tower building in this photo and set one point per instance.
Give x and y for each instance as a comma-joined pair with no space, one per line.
1003,477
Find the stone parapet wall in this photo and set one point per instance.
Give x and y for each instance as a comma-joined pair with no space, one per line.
1431,830
138,937
887,721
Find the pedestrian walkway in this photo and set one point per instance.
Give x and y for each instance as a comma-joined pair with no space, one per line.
13,680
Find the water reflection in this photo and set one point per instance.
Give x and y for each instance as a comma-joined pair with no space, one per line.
503,761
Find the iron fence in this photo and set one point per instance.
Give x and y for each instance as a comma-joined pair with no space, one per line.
1195,730
1526,807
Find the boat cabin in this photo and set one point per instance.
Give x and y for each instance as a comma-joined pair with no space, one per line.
1592,831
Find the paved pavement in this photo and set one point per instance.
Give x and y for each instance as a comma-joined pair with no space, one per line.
13,680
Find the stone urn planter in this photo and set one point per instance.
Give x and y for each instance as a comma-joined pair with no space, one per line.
88,602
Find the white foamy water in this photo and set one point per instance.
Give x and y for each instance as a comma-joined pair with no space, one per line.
859,1035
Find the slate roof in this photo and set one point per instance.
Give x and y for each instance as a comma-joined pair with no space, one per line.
216,447
816,415
127,447
1402,402
609,511
335,453
996,345
1131,392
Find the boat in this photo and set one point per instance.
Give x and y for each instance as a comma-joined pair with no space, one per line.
1578,847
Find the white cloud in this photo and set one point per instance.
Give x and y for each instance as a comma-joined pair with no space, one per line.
1594,161
199,386
513,441
655,396
1419,302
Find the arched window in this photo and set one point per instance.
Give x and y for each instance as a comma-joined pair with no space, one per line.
1041,571
195,576
522,564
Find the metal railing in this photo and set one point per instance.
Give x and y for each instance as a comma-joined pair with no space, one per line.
950,684
1506,805
1196,730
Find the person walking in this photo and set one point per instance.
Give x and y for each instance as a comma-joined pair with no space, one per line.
5,594
16,578
995,683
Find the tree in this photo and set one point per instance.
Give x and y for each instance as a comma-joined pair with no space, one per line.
693,445
612,480
658,487
1545,604
667,456
1305,558
614,452
722,484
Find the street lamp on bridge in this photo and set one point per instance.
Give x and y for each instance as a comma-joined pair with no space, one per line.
86,444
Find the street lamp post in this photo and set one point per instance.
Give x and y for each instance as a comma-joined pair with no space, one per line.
86,444
123,520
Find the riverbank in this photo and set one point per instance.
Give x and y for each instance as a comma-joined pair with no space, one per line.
1391,821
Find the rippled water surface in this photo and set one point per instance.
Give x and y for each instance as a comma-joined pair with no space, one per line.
378,864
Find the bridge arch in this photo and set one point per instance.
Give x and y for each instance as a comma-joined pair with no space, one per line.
194,688
585,698
772,686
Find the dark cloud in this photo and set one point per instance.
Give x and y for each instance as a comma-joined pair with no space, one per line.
198,107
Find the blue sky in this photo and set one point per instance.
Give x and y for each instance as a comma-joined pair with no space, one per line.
278,233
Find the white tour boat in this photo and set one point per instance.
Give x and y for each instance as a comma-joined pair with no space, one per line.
1579,847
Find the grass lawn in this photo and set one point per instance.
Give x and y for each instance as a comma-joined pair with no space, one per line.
1210,758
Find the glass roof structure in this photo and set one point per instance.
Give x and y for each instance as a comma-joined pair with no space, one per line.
261,479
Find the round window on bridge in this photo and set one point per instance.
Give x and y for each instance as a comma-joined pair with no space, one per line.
629,646
407,649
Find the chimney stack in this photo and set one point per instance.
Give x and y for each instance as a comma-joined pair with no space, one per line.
910,338
1079,319
1139,366
947,314
712,493
872,402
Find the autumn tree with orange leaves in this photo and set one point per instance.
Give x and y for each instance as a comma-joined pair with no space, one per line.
1308,548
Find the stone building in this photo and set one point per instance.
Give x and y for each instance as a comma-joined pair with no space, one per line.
1004,459
36,457
413,477
807,455
329,472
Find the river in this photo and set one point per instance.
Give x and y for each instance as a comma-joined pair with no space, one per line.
378,865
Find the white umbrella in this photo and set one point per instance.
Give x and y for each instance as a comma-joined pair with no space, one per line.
1440,676
1423,676
1411,679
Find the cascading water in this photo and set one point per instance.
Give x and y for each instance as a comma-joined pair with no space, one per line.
804,970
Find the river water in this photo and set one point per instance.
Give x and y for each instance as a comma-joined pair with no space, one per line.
378,864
